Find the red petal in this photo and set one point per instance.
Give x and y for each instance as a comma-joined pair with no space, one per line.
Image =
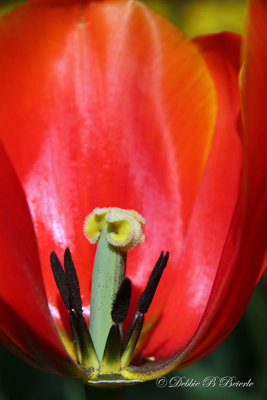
246,246
214,206
24,316
102,113
254,85
254,98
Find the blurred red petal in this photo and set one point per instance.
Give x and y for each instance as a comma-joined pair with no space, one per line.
102,113
254,98
254,87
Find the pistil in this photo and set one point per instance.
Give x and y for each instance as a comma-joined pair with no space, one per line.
115,231
108,273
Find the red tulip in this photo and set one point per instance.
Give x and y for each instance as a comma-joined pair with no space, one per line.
105,103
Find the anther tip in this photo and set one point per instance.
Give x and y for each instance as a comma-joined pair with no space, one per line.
53,257
166,257
67,252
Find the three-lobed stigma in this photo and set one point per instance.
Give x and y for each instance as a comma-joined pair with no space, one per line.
125,227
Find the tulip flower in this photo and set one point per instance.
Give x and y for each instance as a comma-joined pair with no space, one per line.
106,106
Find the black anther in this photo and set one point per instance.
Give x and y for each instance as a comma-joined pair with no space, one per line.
148,294
60,278
73,283
122,301
67,282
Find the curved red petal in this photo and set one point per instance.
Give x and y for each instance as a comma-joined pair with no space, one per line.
214,206
12,347
254,95
232,288
245,249
24,316
104,114
254,85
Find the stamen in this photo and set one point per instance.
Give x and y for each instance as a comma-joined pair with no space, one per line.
147,296
75,335
131,339
122,302
69,289
158,264
73,283
111,357
60,279
89,358
134,331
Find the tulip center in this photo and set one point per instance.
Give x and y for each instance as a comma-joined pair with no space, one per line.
103,350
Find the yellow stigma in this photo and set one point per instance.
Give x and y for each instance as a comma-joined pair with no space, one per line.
125,227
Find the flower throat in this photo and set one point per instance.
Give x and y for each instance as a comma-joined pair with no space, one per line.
102,351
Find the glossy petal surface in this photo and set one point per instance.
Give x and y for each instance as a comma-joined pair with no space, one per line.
25,322
102,113
214,206
242,259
